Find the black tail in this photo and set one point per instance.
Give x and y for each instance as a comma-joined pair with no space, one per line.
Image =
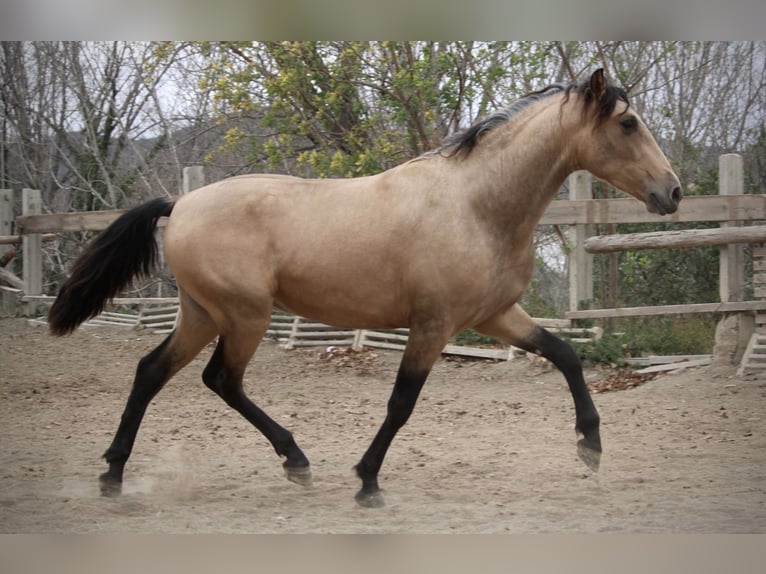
125,249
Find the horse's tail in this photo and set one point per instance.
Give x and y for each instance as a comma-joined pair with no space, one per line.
124,250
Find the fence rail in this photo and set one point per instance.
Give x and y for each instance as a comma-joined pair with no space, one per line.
710,208
675,239
729,307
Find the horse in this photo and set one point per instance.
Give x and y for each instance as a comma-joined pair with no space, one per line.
440,243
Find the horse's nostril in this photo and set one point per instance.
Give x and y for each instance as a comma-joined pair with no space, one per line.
676,195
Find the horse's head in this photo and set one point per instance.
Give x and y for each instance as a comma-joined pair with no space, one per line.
616,146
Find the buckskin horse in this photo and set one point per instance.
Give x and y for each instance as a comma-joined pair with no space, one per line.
441,243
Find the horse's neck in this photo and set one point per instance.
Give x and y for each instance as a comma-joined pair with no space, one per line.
518,172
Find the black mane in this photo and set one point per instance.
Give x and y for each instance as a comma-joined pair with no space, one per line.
462,143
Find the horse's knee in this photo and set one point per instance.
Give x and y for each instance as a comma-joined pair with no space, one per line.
404,396
399,411
565,358
557,351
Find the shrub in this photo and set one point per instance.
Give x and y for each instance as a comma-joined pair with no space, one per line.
684,335
609,350
471,337
641,336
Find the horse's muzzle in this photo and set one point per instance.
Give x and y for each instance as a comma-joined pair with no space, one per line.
664,203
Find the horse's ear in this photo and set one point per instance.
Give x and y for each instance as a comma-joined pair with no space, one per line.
598,84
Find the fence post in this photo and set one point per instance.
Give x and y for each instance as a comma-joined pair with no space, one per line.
731,260
7,300
32,269
580,261
194,177
6,212
734,329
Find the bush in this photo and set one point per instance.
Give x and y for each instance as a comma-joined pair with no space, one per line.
685,335
471,337
642,336
609,350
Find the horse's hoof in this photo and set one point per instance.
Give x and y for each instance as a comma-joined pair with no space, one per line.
299,475
370,499
109,486
590,453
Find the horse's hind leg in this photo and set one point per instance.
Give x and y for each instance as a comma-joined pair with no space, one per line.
223,375
194,331
516,327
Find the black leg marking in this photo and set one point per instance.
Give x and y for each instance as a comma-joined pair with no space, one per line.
226,382
587,420
152,373
400,406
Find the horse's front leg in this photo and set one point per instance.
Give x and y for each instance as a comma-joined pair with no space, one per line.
514,326
424,346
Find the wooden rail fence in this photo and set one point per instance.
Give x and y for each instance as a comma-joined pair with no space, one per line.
293,332
731,208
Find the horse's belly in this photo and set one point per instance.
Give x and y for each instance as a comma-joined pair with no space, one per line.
354,294
343,309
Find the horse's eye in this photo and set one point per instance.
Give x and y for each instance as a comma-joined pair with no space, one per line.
629,124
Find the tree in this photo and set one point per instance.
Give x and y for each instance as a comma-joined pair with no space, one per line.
75,116
356,108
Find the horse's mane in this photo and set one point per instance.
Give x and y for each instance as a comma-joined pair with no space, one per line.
462,143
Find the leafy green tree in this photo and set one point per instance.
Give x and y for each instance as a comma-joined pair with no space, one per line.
341,109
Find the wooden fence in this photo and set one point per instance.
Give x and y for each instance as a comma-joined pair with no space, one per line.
730,236
293,332
731,208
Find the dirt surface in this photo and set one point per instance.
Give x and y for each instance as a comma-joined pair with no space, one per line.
490,448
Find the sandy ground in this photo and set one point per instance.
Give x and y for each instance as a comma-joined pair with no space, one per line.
490,448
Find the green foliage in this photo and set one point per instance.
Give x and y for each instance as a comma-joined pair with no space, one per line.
535,304
669,276
645,336
669,335
471,337
662,276
608,350
345,108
